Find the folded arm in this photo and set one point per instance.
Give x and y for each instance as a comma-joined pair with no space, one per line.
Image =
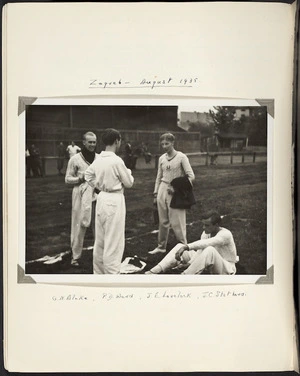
125,175
90,175
217,240
187,168
72,176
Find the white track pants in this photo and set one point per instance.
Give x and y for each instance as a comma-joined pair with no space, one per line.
208,258
109,233
169,217
77,230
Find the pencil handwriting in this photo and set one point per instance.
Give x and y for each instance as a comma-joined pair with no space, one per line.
153,294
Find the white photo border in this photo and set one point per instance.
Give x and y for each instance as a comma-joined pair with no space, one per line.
142,280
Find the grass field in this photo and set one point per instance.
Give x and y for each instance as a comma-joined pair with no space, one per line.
238,191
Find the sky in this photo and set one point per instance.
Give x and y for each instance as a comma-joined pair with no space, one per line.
192,108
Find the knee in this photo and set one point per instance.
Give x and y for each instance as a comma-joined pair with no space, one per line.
177,247
209,252
164,222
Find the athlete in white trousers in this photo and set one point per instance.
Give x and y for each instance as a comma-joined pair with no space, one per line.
215,251
110,175
171,165
75,177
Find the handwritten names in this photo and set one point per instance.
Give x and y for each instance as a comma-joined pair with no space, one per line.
152,295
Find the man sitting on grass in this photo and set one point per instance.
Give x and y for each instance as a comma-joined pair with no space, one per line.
215,251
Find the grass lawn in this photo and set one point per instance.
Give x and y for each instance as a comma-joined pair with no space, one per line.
238,191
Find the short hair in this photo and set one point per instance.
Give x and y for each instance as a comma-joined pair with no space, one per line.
110,135
214,217
168,137
88,134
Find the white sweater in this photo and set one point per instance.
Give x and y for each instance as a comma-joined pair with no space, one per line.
175,168
108,173
222,241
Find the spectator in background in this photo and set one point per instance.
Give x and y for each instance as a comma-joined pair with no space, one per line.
28,162
128,155
61,153
73,149
36,163
147,155
171,165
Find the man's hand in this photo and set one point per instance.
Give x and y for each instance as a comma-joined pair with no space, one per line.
180,252
81,177
155,201
170,190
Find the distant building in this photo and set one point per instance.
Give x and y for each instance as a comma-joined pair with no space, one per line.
241,112
186,119
232,140
212,140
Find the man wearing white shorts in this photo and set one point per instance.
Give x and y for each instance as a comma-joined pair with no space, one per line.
109,175
215,251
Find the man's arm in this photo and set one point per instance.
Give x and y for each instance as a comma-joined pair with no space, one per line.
217,240
158,177
180,252
125,175
90,175
188,168
72,177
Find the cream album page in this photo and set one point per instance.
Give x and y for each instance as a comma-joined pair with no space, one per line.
147,200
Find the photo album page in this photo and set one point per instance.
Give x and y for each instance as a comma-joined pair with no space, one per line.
147,196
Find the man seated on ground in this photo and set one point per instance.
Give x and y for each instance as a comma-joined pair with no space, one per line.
215,251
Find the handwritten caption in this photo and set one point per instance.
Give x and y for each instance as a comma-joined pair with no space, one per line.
153,295
144,83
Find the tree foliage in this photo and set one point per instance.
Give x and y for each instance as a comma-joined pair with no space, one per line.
206,129
223,118
253,126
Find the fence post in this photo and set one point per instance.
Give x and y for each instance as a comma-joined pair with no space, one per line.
44,166
231,158
243,158
254,156
206,160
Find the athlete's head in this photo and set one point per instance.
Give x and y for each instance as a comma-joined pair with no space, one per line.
111,137
89,141
167,142
211,222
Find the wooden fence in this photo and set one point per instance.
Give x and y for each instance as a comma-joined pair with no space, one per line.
49,163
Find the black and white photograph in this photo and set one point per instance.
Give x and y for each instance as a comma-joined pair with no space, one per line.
153,188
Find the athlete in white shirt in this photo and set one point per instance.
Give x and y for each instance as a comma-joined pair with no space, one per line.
73,149
215,251
109,175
